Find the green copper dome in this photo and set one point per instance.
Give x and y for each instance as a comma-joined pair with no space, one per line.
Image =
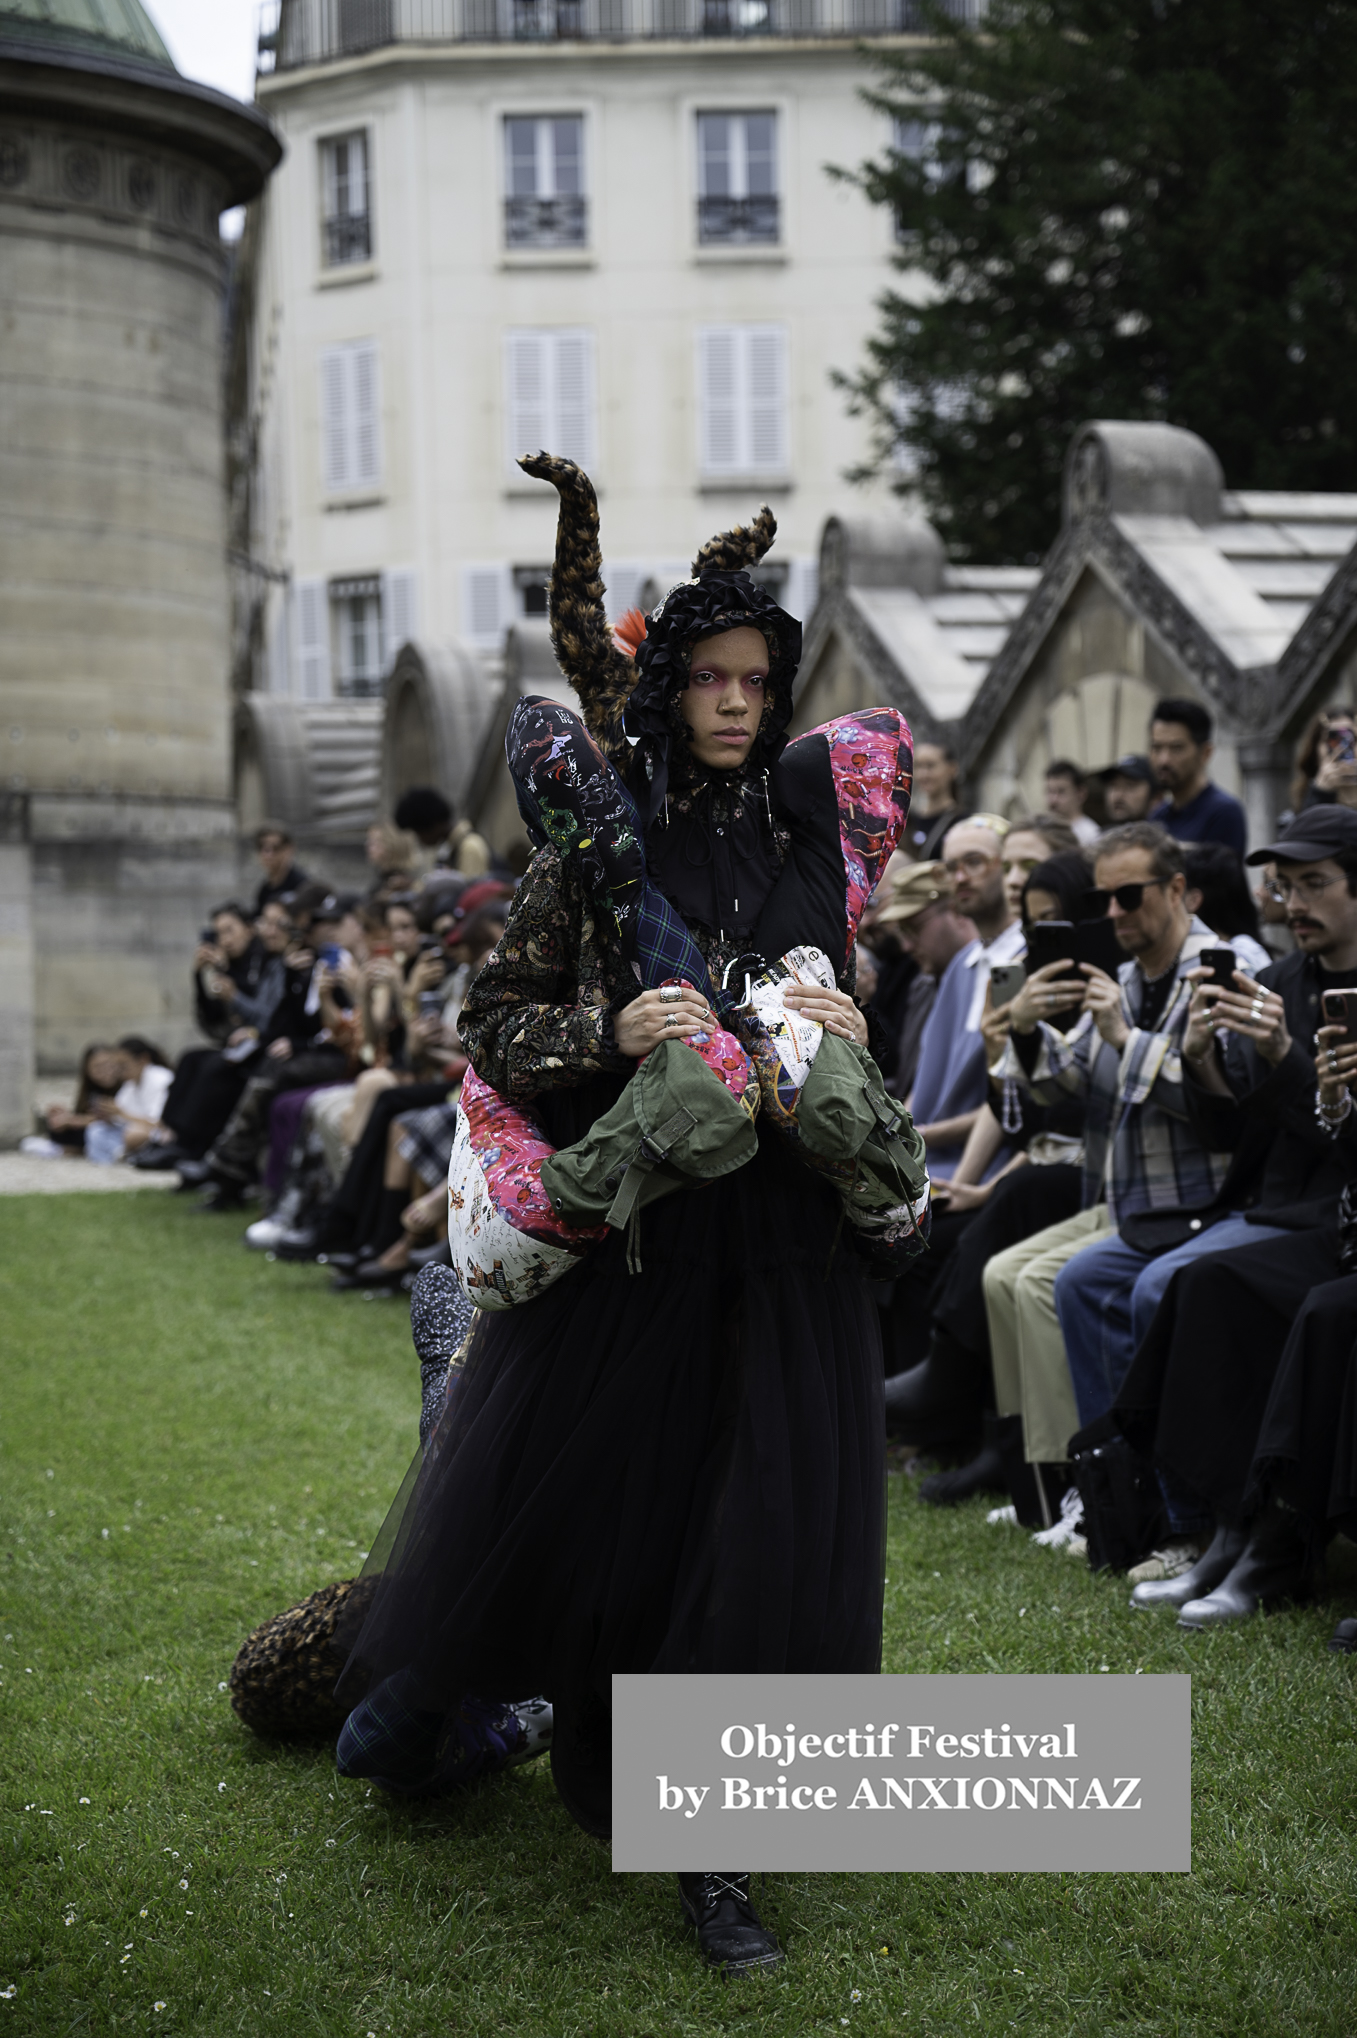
115,27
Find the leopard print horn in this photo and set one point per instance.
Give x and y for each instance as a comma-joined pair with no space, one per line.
581,635
743,545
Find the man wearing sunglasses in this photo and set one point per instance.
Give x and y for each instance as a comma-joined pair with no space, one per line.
1051,1339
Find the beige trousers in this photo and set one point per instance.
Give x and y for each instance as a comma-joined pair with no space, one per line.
1031,1374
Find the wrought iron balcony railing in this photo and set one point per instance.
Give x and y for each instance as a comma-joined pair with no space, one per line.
731,221
294,33
546,222
348,238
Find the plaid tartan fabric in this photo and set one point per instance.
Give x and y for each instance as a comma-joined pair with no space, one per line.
425,1140
420,1752
569,795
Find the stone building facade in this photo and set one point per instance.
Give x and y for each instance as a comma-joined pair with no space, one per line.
114,634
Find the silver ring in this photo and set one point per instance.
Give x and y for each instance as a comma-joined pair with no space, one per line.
1333,1060
670,994
1255,1009
672,1020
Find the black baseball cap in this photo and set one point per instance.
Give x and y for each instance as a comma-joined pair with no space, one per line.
1130,767
1311,836
336,906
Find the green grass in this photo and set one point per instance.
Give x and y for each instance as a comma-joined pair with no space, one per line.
191,1438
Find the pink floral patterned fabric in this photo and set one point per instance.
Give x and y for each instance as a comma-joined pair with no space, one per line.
871,755
510,1148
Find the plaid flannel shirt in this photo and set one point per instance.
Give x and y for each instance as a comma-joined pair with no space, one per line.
1137,1109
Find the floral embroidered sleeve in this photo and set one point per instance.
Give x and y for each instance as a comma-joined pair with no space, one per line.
538,1015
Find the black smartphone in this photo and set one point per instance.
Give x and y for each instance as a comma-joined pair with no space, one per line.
1342,743
1340,1009
1058,941
1222,963
1096,941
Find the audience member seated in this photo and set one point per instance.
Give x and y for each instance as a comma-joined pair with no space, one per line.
123,1123
1180,751
1326,761
64,1126
935,801
1265,1082
227,965
1034,839
393,855
283,876
1140,1150
1218,893
947,1400
1067,794
455,845
1129,788
903,990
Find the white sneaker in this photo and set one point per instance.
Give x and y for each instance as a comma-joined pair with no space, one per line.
1070,1523
1002,1517
39,1148
1170,1562
263,1235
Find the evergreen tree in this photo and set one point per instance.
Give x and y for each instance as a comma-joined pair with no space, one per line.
1120,209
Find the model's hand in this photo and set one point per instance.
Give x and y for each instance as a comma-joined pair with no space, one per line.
834,1010
660,1015
1335,1065
1258,1015
1047,990
1102,997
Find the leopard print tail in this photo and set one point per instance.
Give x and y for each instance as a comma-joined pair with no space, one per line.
581,635
742,545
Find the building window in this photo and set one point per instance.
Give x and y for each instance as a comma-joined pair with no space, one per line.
737,195
356,630
364,25
742,400
549,375
347,224
350,419
530,590
547,20
544,201
736,17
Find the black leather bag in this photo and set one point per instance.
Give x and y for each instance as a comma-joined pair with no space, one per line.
1161,1231
1124,1513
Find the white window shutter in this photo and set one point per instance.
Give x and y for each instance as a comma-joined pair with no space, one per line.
280,677
765,385
487,605
624,579
334,398
528,380
366,398
719,399
400,620
573,423
312,609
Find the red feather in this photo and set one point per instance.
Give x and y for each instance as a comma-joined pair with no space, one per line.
629,632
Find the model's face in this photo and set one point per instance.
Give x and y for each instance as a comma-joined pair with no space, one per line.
1022,852
934,774
1177,760
1063,798
1144,929
233,936
1320,910
1128,799
722,703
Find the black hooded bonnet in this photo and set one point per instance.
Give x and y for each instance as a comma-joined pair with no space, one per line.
721,596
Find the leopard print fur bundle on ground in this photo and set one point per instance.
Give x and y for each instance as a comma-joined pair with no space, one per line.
581,636
283,1679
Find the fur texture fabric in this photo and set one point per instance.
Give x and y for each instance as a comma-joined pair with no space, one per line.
283,1679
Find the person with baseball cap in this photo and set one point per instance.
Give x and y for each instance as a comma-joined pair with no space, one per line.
1129,787
918,913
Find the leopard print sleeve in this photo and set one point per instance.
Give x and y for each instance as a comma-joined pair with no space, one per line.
538,1015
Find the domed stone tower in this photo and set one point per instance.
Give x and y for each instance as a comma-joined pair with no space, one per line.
115,798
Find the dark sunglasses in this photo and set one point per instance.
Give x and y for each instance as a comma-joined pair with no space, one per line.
1129,897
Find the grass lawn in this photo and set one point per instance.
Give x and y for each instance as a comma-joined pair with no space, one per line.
192,1439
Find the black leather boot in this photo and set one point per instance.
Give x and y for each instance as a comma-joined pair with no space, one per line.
984,1473
939,1401
729,1930
1213,1566
1273,1566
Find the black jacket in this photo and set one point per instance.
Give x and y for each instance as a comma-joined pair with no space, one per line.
290,1020
216,1019
1285,1165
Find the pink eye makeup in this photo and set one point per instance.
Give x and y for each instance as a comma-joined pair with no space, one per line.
752,682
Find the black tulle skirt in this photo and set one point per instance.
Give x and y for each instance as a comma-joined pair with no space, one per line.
676,1470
